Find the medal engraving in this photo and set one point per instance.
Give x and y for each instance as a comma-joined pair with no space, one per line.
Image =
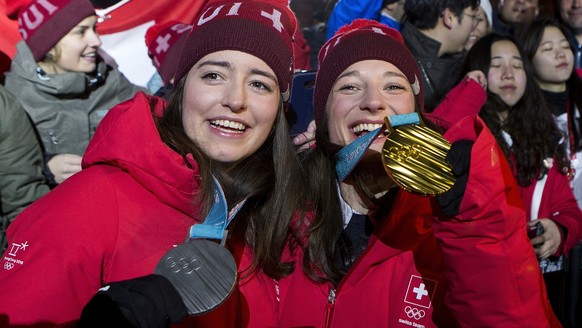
414,156
203,272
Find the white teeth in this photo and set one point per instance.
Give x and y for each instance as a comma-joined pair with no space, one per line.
367,127
229,124
89,55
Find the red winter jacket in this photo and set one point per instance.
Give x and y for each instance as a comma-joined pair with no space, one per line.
132,202
478,269
475,270
558,202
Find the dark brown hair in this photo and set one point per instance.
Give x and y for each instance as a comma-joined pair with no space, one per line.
327,224
270,180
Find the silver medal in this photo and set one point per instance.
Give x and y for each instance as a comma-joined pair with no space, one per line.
203,272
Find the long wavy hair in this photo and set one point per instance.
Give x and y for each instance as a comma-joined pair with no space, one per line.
270,180
530,122
530,37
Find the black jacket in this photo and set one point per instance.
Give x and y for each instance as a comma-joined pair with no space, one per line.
439,74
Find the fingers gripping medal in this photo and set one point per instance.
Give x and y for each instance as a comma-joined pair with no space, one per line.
414,156
203,272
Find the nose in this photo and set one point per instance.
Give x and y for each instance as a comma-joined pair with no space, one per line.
560,53
94,39
372,100
235,96
507,73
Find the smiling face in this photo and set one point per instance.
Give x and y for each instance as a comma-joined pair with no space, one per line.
571,13
230,103
76,51
506,77
480,29
518,11
553,61
362,96
461,27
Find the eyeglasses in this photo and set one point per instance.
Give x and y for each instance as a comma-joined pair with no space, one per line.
475,17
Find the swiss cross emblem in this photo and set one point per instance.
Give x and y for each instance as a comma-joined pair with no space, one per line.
233,10
420,291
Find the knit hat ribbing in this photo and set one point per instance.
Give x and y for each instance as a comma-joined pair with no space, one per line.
43,23
363,39
261,28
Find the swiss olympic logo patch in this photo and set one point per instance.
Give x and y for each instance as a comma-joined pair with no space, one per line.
417,302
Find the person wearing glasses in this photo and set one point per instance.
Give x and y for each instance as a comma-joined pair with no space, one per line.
484,25
435,33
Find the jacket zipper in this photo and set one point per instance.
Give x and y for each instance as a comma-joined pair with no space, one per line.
329,308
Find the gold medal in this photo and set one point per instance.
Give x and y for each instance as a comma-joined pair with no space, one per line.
414,157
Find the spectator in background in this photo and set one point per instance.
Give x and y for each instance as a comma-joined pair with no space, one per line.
522,123
62,81
21,163
509,14
436,33
546,45
484,26
388,12
571,16
164,42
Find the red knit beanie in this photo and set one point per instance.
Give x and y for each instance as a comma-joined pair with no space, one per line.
261,28
164,43
43,23
363,39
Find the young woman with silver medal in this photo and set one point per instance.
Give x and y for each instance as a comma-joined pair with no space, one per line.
157,174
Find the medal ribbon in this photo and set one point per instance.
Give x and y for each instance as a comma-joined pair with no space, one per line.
349,156
217,220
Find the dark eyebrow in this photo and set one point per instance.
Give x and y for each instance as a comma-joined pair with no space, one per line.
264,73
226,64
214,63
356,73
512,57
348,73
396,74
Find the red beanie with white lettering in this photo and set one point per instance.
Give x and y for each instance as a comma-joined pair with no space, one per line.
43,23
363,39
261,28
164,43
